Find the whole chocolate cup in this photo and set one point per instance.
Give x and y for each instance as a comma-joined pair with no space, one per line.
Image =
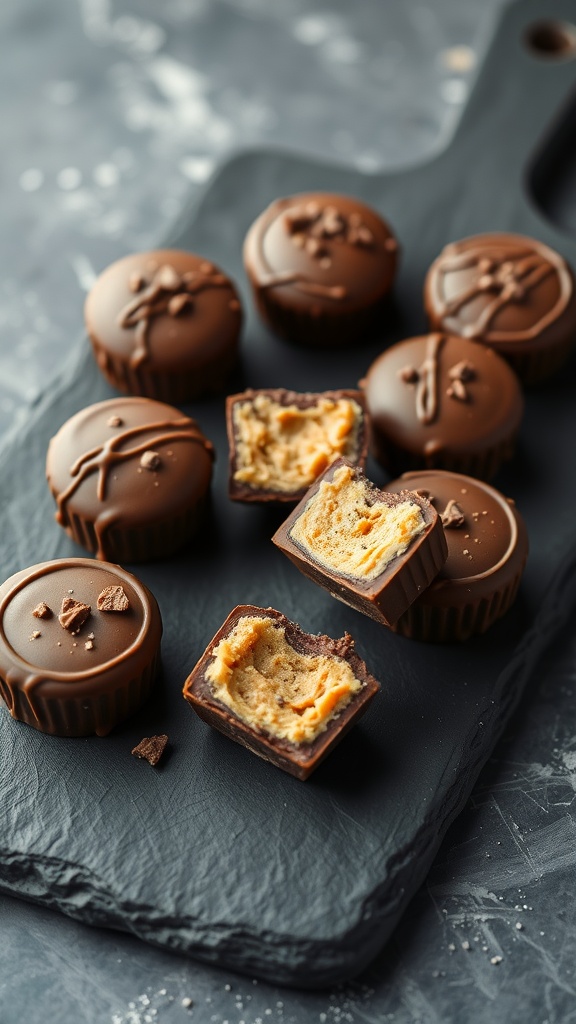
321,267
441,401
298,759
131,478
487,552
386,597
53,681
509,292
165,324
240,491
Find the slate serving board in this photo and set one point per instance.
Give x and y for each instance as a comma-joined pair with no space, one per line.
217,853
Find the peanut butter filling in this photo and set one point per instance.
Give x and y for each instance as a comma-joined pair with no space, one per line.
347,533
285,448
272,687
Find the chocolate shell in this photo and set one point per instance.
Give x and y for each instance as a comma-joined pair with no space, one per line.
321,267
260,471
164,324
67,666
131,478
509,292
441,401
389,591
487,552
299,759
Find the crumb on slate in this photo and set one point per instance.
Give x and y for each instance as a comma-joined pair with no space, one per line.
151,748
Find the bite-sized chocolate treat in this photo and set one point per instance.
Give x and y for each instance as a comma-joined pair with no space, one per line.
83,673
321,267
280,441
287,695
487,551
440,401
509,292
164,324
372,550
131,478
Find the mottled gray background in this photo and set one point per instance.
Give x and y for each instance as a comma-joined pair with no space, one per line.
113,114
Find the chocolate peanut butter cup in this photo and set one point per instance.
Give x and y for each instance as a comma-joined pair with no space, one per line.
441,401
286,695
84,663
321,267
371,549
487,551
165,324
131,478
280,441
509,292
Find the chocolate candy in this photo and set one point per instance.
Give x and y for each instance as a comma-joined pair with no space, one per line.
487,551
370,549
280,440
76,670
509,292
286,695
165,324
130,477
443,401
321,266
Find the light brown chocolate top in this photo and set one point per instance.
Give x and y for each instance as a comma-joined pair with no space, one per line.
322,249
169,309
500,288
94,657
94,465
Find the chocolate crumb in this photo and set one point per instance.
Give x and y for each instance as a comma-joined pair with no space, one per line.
73,614
42,611
151,748
462,371
135,281
178,302
457,390
409,374
35,634
150,460
113,599
89,645
452,516
166,277
115,421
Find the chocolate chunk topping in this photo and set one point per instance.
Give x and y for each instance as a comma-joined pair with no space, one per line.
457,390
178,302
115,421
113,599
151,748
150,460
167,278
73,614
135,281
42,611
452,516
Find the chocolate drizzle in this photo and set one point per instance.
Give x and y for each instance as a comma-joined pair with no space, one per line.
426,380
508,278
103,457
167,293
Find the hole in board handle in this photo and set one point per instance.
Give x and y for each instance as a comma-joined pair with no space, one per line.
551,40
